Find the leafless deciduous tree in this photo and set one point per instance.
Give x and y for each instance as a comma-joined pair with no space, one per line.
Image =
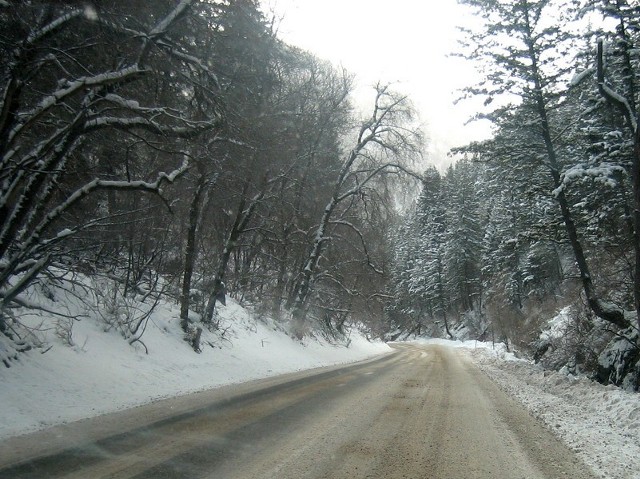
384,145
73,75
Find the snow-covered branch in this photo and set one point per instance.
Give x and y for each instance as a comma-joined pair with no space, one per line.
96,184
69,89
37,35
191,130
161,28
345,288
7,297
33,243
383,133
582,76
604,173
189,59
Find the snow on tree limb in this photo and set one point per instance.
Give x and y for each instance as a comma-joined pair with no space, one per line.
126,124
191,59
372,174
578,78
38,34
7,297
604,173
69,89
383,133
96,184
23,302
32,245
161,28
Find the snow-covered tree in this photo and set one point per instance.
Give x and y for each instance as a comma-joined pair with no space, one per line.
464,237
385,144
75,75
524,45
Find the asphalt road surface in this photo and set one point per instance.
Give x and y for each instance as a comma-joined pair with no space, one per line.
421,412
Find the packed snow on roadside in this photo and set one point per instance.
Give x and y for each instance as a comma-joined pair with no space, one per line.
103,373
600,423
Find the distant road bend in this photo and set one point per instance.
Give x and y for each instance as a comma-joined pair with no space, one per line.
421,412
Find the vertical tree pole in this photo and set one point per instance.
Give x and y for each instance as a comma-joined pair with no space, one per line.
243,216
190,251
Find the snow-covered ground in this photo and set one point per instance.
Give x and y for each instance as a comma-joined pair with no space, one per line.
103,373
600,423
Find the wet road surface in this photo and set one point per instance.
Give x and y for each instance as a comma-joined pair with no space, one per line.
421,412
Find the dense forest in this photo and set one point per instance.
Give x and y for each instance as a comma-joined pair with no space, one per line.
545,214
180,149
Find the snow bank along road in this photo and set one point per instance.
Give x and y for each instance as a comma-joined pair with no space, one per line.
421,412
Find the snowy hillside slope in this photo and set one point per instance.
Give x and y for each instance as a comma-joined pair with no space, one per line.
101,372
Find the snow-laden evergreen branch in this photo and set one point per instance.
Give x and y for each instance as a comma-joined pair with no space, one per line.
604,173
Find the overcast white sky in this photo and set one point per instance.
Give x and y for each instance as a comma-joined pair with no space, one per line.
405,41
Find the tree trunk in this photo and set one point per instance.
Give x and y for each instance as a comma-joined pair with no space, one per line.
611,314
607,312
279,291
239,226
628,111
311,264
190,252
636,222
443,305
385,131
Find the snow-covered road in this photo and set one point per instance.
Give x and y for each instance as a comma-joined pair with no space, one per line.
425,411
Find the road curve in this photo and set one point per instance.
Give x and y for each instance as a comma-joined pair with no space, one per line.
422,412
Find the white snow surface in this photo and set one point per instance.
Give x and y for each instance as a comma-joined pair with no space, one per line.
102,373
600,423
557,326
